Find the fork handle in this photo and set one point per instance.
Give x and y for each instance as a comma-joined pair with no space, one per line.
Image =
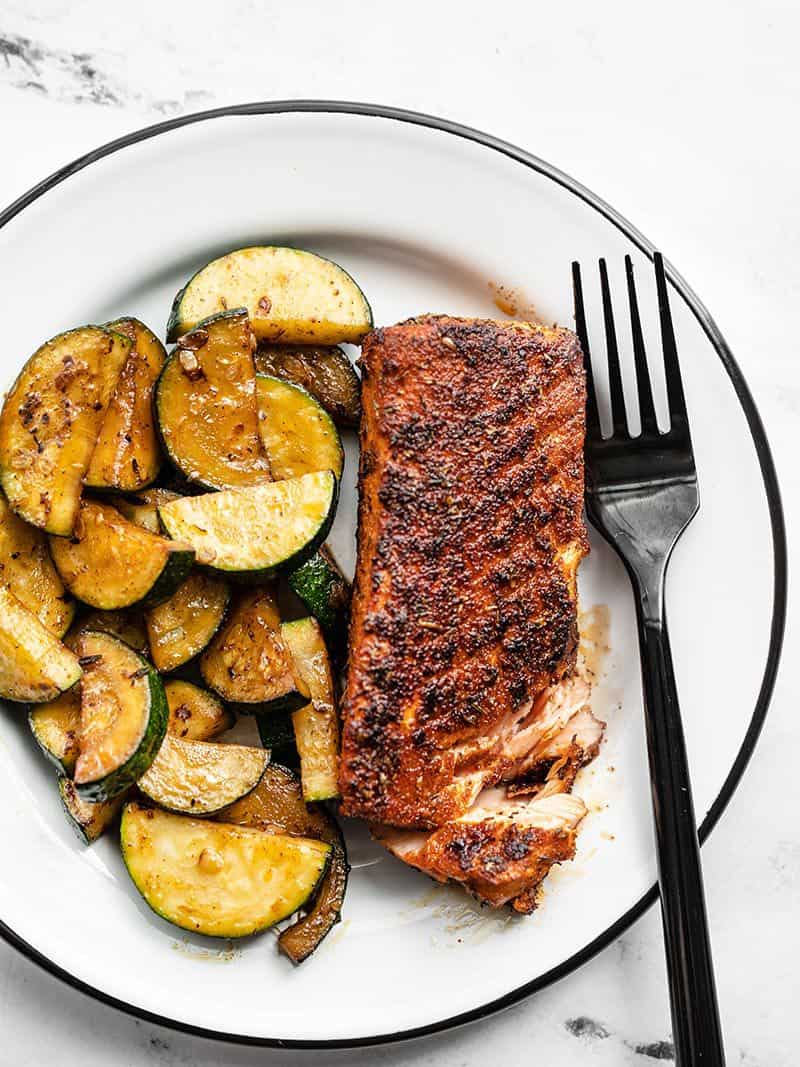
695,1014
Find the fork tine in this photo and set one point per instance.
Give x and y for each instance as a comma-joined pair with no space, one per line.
644,387
618,419
675,395
593,430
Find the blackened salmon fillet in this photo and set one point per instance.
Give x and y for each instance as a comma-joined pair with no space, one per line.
470,533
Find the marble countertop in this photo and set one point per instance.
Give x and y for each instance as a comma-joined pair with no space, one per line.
683,117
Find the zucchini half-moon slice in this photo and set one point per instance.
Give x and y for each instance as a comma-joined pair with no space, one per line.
194,713
290,295
56,725
123,717
27,570
50,422
248,662
183,625
199,777
253,533
127,455
277,804
324,372
216,879
316,724
298,434
110,563
34,665
206,405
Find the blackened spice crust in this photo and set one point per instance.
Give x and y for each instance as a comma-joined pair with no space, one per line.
470,533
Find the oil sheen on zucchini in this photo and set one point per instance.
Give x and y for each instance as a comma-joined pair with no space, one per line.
194,713
316,725
255,532
206,405
111,563
216,879
291,296
325,372
34,665
298,434
50,422
183,625
127,455
27,570
123,717
248,662
277,804
200,777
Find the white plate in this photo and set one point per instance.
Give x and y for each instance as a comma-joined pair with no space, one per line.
427,217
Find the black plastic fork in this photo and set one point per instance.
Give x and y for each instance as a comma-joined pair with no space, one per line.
641,494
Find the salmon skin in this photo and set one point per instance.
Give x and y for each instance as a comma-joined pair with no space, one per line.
470,532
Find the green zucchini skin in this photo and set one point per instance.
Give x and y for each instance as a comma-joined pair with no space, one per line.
282,705
326,593
128,772
277,734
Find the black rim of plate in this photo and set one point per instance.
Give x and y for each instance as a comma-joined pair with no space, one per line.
768,474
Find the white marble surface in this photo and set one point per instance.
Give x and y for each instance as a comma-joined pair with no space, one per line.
684,117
